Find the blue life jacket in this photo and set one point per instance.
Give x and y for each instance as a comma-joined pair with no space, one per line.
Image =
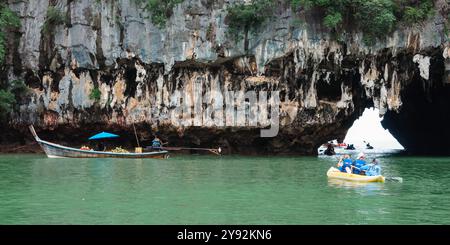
156,143
358,163
346,163
372,169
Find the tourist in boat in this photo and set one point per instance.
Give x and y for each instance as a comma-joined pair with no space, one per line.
156,143
330,150
368,146
372,169
358,163
100,146
345,164
350,147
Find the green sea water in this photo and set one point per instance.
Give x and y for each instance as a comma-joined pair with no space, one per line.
218,190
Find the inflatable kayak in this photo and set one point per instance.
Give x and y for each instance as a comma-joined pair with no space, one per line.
334,173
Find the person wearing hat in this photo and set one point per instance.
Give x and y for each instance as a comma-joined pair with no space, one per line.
372,169
358,163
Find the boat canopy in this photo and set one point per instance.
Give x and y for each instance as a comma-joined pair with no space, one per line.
103,135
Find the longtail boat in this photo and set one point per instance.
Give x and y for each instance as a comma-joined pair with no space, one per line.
58,151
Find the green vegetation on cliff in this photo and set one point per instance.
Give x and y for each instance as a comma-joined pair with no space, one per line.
8,21
246,17
447,28
374,18
95,94
7,101
417,12
160,10
9,95
54,18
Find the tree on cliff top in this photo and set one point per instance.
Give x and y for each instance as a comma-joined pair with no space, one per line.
245,17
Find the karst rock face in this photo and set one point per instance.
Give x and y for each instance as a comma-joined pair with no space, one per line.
140,72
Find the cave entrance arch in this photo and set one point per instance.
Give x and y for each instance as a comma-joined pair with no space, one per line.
367,129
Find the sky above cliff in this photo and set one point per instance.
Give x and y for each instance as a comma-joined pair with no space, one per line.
368,128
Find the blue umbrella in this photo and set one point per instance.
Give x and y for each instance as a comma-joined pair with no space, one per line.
103,135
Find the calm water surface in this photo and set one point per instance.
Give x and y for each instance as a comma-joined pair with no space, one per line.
218,190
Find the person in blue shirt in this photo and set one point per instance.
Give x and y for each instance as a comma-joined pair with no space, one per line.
345,164
358,163
372,169
156,143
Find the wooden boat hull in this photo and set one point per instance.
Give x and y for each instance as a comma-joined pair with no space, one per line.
53,150
334,173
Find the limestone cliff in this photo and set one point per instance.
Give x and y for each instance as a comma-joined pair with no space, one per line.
139,69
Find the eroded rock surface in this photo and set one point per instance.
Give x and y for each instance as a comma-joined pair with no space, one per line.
141,71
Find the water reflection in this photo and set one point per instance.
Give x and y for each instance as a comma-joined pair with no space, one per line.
360,187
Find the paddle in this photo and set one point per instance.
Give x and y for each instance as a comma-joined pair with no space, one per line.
394,179
217,151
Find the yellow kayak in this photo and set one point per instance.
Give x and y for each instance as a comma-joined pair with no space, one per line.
334,173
